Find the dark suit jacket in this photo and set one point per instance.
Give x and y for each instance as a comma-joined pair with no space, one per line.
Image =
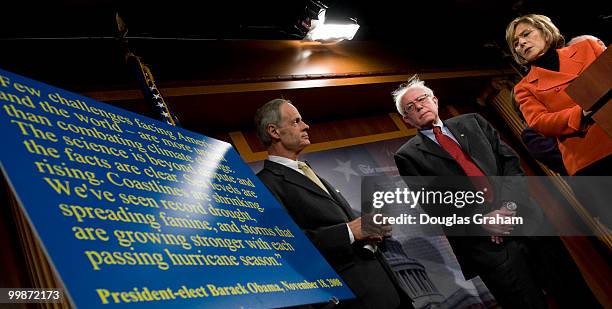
323,218
421,156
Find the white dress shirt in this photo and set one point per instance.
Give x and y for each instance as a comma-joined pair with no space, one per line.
429,132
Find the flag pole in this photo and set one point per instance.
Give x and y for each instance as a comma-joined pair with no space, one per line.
146,81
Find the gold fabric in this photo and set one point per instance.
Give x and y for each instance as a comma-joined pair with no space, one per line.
311,175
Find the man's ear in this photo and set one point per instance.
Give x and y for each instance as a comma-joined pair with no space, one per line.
435,99
272,130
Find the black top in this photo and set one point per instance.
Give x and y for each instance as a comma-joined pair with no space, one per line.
549,60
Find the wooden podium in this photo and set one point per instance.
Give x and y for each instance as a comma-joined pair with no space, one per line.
592,90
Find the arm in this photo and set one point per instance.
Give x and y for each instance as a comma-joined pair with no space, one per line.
332,240
435,180
563,122
405,166
555,123
508,162
543,149
514,188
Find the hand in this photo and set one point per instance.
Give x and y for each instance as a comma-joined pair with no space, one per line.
369,228
499,229
497,239
374,232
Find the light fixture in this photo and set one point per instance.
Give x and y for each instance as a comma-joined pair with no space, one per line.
314,27
330,32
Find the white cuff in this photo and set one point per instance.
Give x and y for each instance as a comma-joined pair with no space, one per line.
351,236
372,247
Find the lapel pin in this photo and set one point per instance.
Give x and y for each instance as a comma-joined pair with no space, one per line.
462,135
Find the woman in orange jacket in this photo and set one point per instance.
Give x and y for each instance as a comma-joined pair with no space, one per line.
535,41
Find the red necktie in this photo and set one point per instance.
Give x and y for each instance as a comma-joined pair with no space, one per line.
466,163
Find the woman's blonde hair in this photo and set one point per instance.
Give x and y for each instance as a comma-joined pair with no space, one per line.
551,34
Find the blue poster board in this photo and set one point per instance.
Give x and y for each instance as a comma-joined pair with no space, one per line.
134,212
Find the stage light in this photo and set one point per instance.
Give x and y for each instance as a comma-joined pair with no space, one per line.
314,26
330,32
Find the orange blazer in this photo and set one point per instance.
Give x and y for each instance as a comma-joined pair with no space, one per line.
548,109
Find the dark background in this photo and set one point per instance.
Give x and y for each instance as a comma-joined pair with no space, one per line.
74,45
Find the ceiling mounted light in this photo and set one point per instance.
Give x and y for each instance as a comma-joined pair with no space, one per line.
331,32
313,25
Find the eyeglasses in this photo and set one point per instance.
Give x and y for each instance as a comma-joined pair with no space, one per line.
410,107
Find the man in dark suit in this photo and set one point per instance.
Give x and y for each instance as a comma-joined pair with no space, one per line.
467,145
321,212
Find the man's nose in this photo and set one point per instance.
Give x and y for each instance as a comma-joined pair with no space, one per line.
306,126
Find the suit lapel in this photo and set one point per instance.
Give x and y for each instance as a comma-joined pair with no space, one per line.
348,211
423,143
461,133
295,178
569,66
302,181
426,144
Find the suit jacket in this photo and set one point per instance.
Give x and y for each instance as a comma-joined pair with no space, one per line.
323,218
421,156
550,111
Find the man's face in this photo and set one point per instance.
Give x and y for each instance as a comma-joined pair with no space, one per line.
293,131
420,107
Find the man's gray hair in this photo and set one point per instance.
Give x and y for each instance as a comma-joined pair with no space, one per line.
269,113
413,82
583,37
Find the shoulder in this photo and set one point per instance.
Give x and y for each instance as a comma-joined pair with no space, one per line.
586,49
461,117
273,181
267,177
466,119
270,170
410,145
263,173
471,123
